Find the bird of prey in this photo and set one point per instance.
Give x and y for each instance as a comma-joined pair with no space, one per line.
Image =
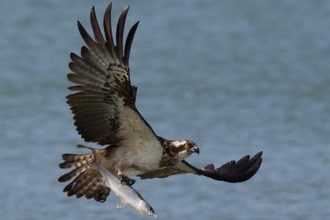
103,103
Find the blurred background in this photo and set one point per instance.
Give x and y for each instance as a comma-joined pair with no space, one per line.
237,77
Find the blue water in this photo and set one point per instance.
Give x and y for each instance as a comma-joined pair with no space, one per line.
237,77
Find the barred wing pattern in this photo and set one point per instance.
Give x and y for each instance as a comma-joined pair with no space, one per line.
104,103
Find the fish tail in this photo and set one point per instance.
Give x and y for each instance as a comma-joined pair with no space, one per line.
87,181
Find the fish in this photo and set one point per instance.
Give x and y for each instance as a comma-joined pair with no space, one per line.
126,194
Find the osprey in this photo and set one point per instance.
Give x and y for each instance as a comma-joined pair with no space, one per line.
105,113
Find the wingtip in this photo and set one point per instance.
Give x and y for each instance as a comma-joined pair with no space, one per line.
254,168
243,160
126,9
80,26
256,160
257,156
108,9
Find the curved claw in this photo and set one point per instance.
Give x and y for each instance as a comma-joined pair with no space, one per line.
233,171
102,195
127,180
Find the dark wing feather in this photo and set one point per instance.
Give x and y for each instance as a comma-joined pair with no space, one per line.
232,171
104,100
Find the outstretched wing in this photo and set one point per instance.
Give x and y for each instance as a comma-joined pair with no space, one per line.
104,100
232,171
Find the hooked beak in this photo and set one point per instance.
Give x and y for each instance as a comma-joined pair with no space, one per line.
195,149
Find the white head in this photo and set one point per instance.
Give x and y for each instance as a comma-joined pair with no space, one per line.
180,149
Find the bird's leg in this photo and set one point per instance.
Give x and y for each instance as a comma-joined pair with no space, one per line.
125,179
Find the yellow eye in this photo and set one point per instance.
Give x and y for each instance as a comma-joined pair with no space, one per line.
186,145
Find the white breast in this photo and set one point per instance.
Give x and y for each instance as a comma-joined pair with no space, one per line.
139,157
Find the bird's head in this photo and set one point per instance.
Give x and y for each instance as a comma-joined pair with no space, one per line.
180,149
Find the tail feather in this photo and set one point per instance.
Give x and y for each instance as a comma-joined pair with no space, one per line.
88,187
75,160
83,179
72,173
97,191
86,181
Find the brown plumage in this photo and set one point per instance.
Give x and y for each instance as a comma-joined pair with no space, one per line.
103,105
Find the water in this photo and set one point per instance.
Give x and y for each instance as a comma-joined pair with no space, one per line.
235,76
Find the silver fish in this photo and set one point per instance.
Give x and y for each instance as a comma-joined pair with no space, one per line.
126,194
